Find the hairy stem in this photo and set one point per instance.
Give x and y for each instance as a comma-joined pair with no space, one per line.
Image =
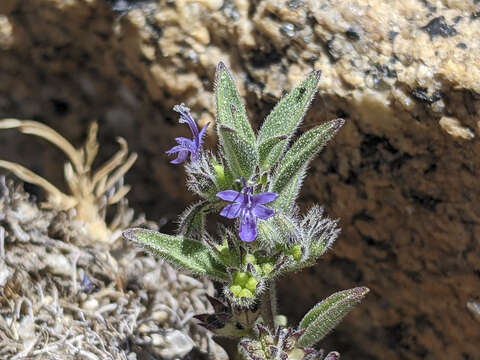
267,309
230,346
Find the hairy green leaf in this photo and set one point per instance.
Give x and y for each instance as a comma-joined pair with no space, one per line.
226,95
277,230
192,220
270,149
180,252
320,245
241,156
286,197
301,153
285,118
320,320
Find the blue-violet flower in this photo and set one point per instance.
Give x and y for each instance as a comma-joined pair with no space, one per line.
249,207
185,145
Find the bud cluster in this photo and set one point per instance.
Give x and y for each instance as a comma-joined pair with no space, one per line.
280,345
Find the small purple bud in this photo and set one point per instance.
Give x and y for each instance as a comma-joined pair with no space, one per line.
187,146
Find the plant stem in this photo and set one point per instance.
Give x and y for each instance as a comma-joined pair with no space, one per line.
267,306
230,346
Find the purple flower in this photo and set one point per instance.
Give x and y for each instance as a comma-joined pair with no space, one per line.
185,145
249,207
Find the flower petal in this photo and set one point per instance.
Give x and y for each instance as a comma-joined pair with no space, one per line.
230,195
262,212
264,198
182,141
182,156
231,211
186,117
248,227
176,149
201,135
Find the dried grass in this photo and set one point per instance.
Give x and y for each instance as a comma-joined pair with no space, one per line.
91,191
64,297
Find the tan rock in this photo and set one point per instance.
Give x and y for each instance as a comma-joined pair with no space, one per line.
6,33
454,128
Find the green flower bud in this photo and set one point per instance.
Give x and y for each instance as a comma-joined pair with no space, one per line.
266,269
249,259
245,293
251,284
240,278
235,289
296,252
281,320
219,174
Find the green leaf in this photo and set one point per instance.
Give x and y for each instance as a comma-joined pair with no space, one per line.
301,153
269,150
226,95
286,198
276,230
234,249
192,220
285,118
320,320
320,245
241,156
180,252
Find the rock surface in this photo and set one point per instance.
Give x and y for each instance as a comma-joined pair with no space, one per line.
402,174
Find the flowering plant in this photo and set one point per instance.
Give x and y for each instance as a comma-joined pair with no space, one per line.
255,179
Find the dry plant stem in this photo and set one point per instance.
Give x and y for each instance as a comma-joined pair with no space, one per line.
90,192
267,306
230,346
43,131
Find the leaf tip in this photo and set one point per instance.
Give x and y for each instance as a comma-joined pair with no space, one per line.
362,291
338,123
127,234
221,68
130,234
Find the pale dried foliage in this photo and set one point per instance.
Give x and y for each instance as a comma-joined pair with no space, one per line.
90,191
128,308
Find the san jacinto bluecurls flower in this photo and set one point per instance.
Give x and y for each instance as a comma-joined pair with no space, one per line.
185,145
249,207
272,239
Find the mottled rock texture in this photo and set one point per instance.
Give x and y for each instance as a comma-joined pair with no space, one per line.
402,174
